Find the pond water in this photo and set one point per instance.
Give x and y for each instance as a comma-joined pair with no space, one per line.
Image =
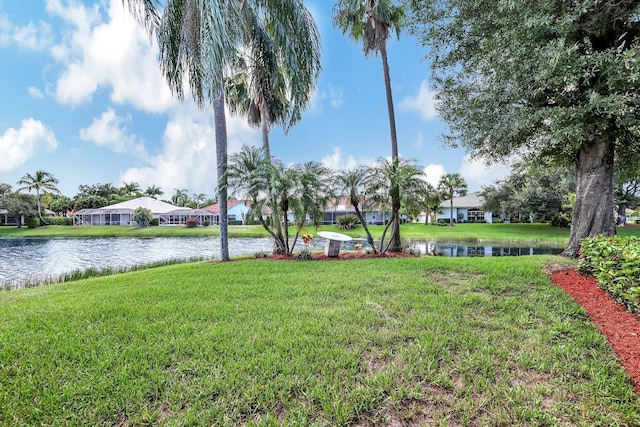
39,260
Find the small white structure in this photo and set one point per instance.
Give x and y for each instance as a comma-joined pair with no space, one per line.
122,213
465,209
334,240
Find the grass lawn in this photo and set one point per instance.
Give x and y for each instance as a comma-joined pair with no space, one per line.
437,341
516,233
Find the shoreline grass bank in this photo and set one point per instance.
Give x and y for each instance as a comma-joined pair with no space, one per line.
483,341
515,233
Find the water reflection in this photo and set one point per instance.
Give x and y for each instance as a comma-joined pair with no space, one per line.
454,249
37,260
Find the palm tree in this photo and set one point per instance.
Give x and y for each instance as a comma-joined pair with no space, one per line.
198,199
385,182
198,41
153,191
450,185
352,184
130,189
371,21
41,182
278,190
431,199
180,198
273,81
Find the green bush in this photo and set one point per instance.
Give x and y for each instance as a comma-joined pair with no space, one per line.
142,216
615,262
154,222
347,222
59,220
33,223
561,219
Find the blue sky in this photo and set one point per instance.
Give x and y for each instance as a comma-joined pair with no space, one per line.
83,98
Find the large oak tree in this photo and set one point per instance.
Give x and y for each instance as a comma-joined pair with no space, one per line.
551,79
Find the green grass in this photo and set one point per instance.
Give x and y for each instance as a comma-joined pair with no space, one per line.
515,233
436,341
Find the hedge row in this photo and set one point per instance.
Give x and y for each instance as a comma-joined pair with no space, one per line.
615,262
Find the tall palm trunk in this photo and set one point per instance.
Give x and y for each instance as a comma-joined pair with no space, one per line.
264,125
593,210
396,243
221,158
392,116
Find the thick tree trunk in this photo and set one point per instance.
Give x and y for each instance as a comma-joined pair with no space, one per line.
593,211
221,158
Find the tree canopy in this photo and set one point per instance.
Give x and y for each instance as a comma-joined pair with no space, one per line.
556,79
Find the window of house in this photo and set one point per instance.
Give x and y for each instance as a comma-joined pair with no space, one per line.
475,215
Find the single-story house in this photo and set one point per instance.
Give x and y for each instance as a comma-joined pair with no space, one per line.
343,206
236,211
122,213
465,209
5,219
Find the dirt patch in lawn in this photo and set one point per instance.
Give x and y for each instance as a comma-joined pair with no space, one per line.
621,328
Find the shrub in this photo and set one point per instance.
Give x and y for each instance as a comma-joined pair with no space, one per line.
561,219
206,223
191,223
154,222
59,220
305,255
142,216
33,223
347,222
615,262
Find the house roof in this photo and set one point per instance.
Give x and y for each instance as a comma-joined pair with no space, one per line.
215,208
471,200
155,206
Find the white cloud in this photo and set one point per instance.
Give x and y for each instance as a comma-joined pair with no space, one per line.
337,162
188,157
478,174
17,146
34,92
315,102
337,96
31,36
115,54
109,130
433,173
423,102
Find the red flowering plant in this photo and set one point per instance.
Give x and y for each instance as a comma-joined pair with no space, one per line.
307,238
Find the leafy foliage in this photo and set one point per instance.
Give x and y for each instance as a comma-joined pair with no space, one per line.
347,222
142,216
541,80
615,262
280,192
538,193
19,205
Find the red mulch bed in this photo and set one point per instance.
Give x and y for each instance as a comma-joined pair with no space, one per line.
621,328
346,256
